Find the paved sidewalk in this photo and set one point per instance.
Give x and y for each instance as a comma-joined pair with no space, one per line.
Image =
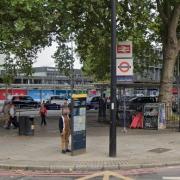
135,149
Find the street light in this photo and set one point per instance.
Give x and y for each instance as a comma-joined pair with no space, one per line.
112,136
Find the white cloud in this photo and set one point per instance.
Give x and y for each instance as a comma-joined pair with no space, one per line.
45,59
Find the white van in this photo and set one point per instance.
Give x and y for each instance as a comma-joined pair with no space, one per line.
57,99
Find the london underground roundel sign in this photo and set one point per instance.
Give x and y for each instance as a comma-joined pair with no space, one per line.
124,66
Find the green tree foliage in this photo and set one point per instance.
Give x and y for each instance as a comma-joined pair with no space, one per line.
25,28
9,70
64,54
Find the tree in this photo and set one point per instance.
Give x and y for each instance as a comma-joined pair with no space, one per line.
169,12
9,72
64,60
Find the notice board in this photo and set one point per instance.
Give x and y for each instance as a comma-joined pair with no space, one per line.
151,116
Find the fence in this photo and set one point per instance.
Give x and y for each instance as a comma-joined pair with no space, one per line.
124,119
172,119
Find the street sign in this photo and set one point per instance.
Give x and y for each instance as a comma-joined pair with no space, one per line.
124,49
124,67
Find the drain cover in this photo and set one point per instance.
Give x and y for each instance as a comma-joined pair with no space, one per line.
159,150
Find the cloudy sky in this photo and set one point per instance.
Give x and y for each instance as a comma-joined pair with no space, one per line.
45,59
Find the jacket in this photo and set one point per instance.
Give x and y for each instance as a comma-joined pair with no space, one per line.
61,124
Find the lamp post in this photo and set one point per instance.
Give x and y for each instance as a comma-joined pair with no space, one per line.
112,136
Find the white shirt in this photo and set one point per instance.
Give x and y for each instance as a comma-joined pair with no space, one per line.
12,112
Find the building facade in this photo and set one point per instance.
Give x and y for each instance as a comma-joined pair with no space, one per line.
50,77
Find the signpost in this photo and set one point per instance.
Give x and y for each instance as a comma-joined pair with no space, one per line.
124,61
124,49
78,128
124,68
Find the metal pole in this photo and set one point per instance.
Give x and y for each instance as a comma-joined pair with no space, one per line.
124,111
72,101
112,137
178,81
72,68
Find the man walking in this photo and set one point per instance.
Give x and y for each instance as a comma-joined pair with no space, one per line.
5,111
12,117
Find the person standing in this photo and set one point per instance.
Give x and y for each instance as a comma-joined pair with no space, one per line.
43,113
102,107
65,108
64,128
12,117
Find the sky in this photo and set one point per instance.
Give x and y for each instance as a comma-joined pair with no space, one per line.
45,59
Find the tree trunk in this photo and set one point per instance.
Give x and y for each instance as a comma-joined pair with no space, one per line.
170,49
167,75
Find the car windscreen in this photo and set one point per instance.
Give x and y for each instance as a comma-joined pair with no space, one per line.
26,98
143,100
57,98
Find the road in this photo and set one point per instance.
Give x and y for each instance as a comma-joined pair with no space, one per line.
161,173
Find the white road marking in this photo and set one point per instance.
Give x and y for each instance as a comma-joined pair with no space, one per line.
171,178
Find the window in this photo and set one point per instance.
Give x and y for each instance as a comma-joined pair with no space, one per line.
95,99
26,98
57,98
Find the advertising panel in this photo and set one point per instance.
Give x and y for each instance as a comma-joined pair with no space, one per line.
63,93
11,92
35,94
45,94
154,116
78,142
2,94
151,116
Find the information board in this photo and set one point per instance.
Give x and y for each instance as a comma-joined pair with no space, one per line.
162,116
78,141
151,116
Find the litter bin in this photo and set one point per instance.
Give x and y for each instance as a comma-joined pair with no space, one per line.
26,125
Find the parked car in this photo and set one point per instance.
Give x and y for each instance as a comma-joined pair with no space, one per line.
55,102
92,102
24,101
137,103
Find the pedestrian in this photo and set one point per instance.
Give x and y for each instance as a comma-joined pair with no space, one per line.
64,128
43,114
5,111
12,117
65,108
102,107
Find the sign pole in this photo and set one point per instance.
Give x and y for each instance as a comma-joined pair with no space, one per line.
112,137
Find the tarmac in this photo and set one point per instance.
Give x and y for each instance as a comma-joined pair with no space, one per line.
136,148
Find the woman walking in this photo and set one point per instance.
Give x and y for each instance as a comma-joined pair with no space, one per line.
43,113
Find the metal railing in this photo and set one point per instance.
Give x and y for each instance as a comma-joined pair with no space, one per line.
172,118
